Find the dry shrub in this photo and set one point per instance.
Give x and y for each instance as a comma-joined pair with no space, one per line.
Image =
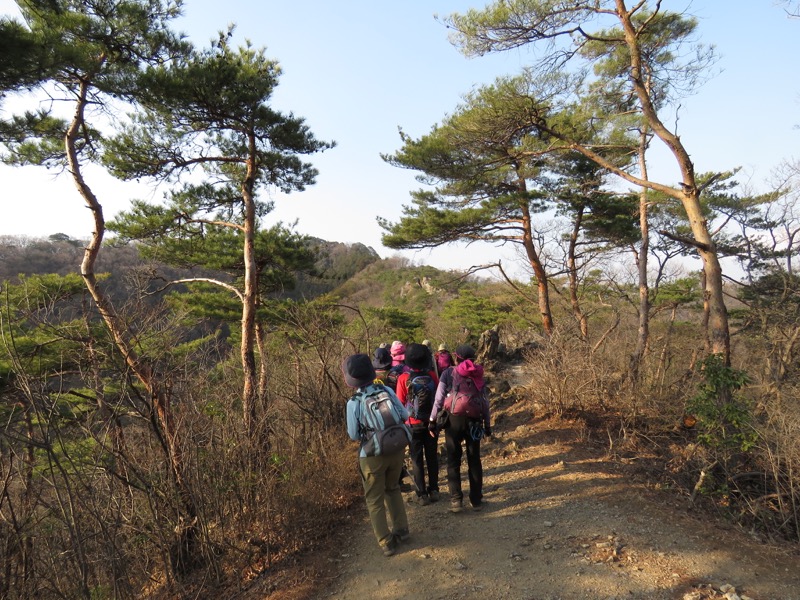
264,501
570,375
566,379
773,500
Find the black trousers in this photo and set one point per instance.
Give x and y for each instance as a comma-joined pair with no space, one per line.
423,453
454,436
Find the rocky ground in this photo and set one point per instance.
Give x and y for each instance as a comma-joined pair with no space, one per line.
561,521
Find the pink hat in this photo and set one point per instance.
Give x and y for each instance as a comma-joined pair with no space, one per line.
398,350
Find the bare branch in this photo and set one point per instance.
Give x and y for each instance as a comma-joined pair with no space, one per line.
685,240
222,284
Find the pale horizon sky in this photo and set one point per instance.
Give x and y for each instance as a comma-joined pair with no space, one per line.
357,71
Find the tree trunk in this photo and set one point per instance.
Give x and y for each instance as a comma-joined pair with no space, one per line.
572,268
537,266
717,332
186,554
250,299
643,332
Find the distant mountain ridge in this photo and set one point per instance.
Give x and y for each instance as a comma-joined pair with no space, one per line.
59,254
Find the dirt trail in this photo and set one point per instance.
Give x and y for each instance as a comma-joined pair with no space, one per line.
560,522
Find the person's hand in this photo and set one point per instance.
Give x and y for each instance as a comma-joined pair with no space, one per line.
432,429
487,431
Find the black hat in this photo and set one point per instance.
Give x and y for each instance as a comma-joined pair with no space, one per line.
358,370
381,359
465,351
418,356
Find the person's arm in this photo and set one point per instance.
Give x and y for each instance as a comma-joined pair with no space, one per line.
404,414
353,429
487,424
402,391
441,393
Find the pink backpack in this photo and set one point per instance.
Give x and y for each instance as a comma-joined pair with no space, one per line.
465,398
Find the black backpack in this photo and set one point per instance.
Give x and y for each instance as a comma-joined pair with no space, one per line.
391,377
420,394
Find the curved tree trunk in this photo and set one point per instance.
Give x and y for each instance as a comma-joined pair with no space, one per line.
717,332
186,554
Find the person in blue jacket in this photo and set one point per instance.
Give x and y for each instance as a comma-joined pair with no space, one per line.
380,475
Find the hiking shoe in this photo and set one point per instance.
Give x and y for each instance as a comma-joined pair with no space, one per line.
402,534
422,500
390,547
434,495
455,506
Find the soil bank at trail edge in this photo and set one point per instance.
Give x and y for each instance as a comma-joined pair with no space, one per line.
560,522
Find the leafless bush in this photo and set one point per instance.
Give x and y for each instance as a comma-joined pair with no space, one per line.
566,379
591,378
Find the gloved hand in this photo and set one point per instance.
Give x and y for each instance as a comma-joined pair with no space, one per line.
433,429
487,431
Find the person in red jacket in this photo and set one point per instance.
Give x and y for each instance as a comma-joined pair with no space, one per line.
417,391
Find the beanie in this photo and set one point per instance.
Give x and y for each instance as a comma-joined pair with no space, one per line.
398,349
465,351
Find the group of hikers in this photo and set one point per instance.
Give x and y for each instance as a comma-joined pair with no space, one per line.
405,396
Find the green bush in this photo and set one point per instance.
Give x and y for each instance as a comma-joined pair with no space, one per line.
723,416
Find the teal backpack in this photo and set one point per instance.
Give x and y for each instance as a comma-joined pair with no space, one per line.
380,423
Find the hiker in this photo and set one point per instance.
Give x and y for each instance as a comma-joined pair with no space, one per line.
383,437
463,393
417,391
386,374
443,359
397,350
432,363
381,362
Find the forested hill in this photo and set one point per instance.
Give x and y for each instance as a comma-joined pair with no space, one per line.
59,254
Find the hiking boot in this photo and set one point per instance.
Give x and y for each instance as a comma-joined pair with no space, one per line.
390,547
422,500
434,495
455,506
402,534
477,507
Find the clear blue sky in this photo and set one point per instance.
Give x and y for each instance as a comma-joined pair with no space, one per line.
358,70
